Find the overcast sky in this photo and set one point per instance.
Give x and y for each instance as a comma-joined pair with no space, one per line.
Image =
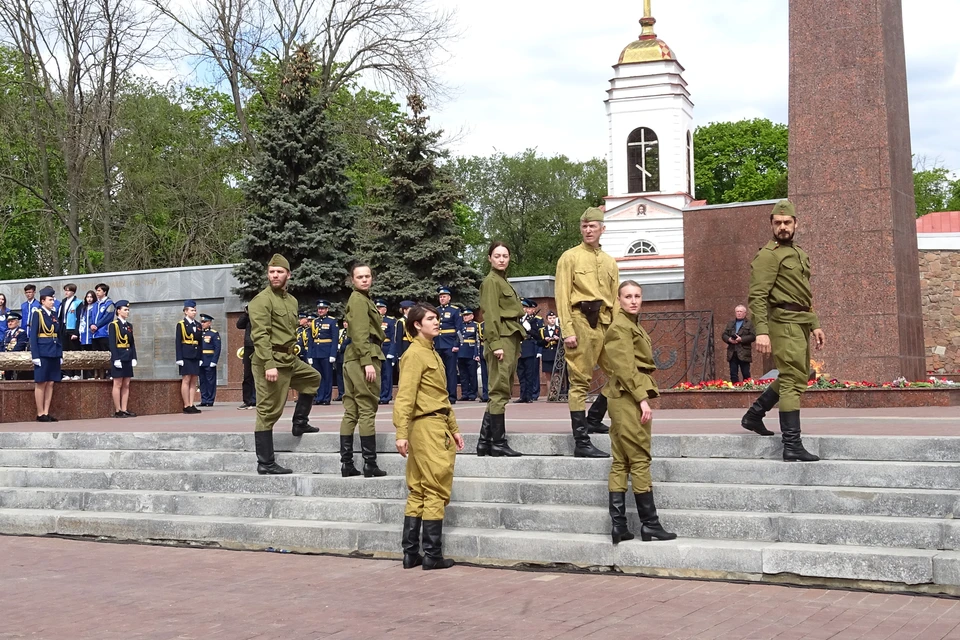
533,73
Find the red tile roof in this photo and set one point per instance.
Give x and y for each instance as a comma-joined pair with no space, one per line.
939,222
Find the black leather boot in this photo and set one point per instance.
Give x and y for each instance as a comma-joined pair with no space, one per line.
650,527
595,416
347,468
583,447
433,546
618,517
266,460
301,415
368,447
483,442
793,450
411,542
498,438
752,420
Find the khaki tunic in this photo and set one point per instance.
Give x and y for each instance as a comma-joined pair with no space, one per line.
273,329
780,273
584,274
423,416
501,330
361,399
629,367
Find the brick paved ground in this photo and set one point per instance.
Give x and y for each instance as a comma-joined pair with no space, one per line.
543,417
75,590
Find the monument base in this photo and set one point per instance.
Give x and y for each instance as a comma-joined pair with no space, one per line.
88,399
814,399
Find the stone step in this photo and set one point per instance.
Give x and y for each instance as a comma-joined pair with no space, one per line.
852,473
918,569
916,533
876,448
670,495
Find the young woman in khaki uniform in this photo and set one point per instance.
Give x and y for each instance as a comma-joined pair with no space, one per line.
502,334
428,437
629,366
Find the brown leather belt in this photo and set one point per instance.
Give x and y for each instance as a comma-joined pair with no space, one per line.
288,349
439,413
790,306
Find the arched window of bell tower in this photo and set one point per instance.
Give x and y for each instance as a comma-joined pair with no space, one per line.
643,161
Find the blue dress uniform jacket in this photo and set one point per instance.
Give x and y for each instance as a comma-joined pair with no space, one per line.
528,369
469,341
324,341
123,347
303,341
104,312
26,313
44,335
451,324
530,346
389,347
550,338
187,337
15,340
212,345
467,360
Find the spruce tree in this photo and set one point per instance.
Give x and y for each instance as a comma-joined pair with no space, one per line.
299,194
410,233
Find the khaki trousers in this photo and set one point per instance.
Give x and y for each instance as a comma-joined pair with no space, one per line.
791,355
583,360
629,445
501,374
430,462
272,396
361,399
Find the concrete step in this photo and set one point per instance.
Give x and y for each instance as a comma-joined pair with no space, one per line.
880,567
917,533
876,448
852,473
860,501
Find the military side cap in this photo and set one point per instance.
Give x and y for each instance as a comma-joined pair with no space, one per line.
13,315
551,314
527,302
48,291
189,304
593,214
381,302
203,317
122,303
323,304
467,310
443,290
784,208
407,304
279,261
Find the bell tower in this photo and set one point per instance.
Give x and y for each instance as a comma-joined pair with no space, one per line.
650,122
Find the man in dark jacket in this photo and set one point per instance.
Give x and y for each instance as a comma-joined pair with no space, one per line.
249,390
739,336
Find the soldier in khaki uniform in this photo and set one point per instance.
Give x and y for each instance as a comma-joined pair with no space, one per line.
502,334
629,366
781,304
273,329
361,371
586,291
427,435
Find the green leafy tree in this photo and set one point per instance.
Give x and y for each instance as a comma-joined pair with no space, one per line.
740,161
531,202
300,194
935,188
411,235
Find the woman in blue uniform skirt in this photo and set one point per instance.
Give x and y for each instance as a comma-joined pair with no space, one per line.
46,352
123,353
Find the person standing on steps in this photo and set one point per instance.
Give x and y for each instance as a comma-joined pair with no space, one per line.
209,359
428,437
528,361
389,348
448,342
188,334
502,335
323,344
247,386
362,361
468,357
586,292
103,313
46,351
781,305
630,385
276,368
123,356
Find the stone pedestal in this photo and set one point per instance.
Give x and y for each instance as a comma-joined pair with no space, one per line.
852,181
88,399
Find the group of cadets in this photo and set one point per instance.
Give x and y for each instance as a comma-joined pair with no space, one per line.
197,349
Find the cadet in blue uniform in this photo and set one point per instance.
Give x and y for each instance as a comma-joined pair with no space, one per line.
123,356
528,365
14,339
209,359
103,314
401,337
484,375
342,342
468,358
28,307
46,351
389,347
447,343
323,350
188,334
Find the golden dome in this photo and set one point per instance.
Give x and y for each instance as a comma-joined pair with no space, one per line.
647,48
